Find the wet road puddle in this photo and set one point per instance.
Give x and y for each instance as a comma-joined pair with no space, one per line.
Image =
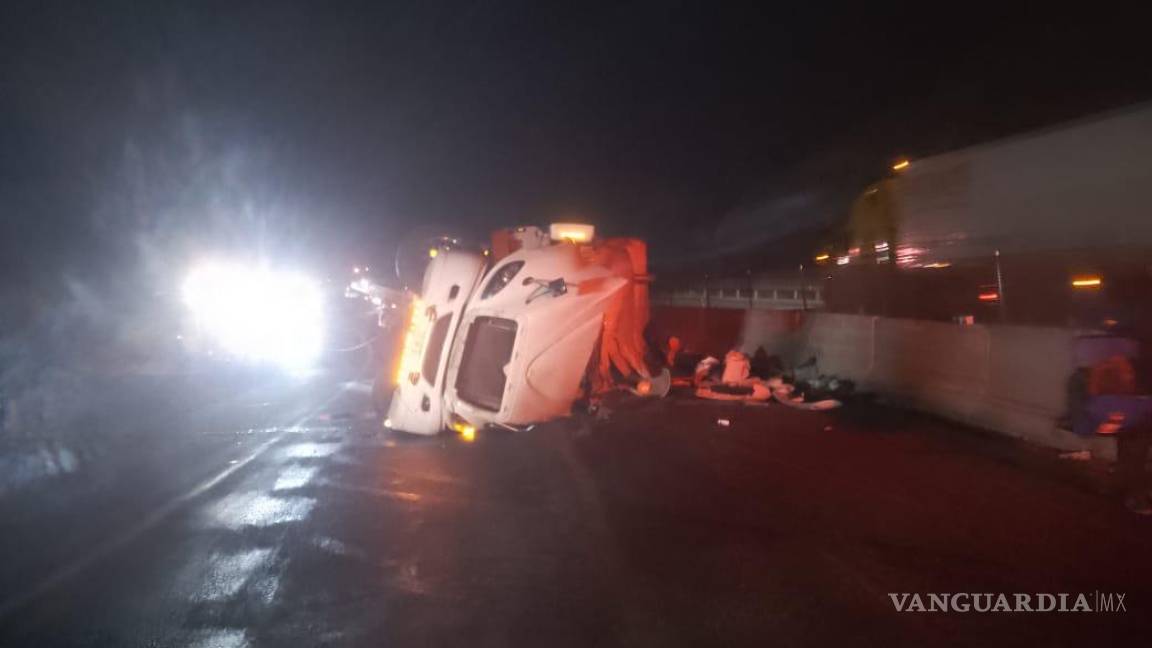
311,450
400,495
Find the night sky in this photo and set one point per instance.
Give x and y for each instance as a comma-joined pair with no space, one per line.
135,136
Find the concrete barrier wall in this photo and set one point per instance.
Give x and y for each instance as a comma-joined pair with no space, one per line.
1010,379
781,333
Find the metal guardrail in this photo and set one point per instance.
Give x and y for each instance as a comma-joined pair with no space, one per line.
766,299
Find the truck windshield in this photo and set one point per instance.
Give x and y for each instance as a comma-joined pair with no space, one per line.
501,278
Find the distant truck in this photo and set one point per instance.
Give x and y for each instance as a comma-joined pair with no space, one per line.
516,334
1052,227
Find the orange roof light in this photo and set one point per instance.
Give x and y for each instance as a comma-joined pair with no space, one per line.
901,165
989,296
1087,282
822,257
573,232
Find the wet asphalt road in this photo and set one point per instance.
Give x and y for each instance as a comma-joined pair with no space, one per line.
657,527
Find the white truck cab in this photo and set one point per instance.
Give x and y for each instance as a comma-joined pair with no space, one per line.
510,344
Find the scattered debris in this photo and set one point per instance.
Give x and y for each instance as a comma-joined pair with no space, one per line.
784,393
751,391
736,368
704,370
732,380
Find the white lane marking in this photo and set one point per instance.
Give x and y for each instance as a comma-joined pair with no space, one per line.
220,638
294,477
310,450
237,510
266,588
227,573
106,548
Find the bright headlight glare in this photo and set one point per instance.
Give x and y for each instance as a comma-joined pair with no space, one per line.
258,314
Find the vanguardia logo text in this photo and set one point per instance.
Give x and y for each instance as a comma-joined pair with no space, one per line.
965,602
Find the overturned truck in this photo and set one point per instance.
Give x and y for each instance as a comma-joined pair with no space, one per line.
519,333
